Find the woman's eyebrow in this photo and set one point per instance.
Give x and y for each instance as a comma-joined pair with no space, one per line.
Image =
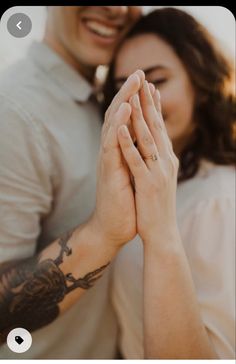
145,70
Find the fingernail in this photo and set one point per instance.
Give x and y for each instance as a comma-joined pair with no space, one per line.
146,88
134,76
135,100
151,88
158,94
122,106
124,131
140,74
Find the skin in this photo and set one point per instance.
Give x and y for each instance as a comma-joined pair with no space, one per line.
67,33
173,329
168,74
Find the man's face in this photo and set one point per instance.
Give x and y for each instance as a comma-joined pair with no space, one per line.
90,34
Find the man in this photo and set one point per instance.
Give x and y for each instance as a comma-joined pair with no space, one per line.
55,241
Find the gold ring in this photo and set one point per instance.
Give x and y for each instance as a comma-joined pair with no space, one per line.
153,157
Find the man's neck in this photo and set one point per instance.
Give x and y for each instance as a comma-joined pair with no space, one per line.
87,72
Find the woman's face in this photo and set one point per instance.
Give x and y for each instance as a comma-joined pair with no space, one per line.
165,70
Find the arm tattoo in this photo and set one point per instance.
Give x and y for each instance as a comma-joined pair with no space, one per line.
31,290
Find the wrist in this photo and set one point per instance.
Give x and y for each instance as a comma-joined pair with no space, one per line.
94,231
163,239
89,251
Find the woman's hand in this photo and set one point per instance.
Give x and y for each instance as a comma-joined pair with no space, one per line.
114,217
153,165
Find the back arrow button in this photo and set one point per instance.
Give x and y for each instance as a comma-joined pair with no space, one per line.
19,25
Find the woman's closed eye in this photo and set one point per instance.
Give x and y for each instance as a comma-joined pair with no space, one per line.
158,82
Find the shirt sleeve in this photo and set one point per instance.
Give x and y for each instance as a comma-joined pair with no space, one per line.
25,188
210,247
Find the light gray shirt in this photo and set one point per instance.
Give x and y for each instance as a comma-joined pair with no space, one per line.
49,140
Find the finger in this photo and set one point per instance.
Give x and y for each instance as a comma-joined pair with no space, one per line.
145,140
147,93
132,156
151,88
153,119
129,88
122,116
157,102
110,145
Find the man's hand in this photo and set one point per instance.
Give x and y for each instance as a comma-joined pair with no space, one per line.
114,216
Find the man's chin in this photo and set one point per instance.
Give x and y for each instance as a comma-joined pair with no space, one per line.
100,60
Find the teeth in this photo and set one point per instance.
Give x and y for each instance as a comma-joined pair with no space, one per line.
101,29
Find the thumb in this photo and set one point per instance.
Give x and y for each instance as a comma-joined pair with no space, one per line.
111,154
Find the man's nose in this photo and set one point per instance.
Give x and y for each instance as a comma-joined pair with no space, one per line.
117,10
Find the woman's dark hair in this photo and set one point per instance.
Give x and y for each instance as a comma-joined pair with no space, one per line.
212,77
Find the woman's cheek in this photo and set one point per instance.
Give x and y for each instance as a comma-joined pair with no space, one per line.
173,118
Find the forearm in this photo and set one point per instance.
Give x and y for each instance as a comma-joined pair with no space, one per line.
35,291
173,328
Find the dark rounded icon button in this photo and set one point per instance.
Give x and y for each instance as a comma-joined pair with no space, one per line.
19,340
19,25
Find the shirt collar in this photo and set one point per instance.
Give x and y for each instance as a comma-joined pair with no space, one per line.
71,81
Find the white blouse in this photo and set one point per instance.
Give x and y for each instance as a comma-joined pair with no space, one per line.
206,220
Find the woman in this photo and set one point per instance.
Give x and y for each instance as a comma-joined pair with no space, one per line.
173,287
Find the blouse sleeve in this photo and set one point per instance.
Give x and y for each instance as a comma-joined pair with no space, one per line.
209,239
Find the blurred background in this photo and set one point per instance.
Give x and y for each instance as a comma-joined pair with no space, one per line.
219,21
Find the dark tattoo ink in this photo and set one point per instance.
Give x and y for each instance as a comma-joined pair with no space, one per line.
30,290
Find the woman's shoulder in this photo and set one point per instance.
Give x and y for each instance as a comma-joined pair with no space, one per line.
206,212
211,183
217,180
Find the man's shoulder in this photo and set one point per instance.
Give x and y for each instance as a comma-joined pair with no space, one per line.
25,83
40,89
19,76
